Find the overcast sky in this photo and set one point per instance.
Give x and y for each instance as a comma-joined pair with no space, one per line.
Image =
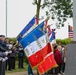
19,13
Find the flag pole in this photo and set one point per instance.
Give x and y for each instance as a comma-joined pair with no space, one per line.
47,18
6,19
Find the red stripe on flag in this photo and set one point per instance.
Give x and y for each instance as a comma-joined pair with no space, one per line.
37,21
70,34
47,64
39,56
70,31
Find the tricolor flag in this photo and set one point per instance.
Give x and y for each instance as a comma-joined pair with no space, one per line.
48,61
36,45
32,22
51,35
70,31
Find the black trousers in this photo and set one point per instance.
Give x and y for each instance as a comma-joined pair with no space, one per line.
2,67
20,63
11,63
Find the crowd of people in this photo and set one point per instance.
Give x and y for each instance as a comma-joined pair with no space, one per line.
60,58
8,51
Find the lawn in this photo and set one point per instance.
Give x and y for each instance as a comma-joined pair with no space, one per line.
17,69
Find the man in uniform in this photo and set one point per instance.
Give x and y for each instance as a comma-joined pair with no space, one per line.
3,54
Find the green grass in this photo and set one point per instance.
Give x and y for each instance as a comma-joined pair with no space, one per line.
17,69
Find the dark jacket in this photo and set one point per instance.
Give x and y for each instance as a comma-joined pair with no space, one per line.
2,54
21,53
3,46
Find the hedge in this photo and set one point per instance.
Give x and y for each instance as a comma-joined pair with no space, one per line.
63,41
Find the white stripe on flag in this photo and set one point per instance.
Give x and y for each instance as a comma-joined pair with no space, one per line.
35,46
37,50
34,26
53,41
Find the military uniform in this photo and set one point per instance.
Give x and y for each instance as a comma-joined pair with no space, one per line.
2,63
3,55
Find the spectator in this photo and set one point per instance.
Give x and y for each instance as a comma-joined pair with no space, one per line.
64,59
20,57
58,58
30,72
7,43
11,57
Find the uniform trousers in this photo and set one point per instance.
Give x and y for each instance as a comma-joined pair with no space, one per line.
2,67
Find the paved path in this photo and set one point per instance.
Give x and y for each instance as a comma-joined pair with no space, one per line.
25,73
22,73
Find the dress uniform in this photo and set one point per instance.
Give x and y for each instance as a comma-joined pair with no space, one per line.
3,54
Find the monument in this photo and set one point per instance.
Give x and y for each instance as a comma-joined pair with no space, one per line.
70,68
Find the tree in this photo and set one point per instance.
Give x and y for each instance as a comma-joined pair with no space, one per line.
57,9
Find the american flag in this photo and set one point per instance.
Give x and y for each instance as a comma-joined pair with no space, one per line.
70,31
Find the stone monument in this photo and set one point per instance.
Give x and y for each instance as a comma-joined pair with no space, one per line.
70,68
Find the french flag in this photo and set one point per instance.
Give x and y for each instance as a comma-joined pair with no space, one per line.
36,45
51,35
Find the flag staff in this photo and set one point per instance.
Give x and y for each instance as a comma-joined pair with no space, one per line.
6,20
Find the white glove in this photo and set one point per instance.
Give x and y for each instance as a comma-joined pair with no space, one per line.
6,52
4,59
10,46
9,51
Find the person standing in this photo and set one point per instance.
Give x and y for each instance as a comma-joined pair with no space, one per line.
58,58
30,72
11,57
64,59
3,54
20,57
7,43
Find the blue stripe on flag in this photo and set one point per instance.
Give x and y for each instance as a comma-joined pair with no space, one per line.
33,35
27,27
52,36
70,28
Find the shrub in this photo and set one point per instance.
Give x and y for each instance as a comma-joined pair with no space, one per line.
64,41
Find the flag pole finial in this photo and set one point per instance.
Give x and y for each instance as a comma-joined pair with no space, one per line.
47,18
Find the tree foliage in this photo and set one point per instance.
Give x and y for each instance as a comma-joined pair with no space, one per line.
57,9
